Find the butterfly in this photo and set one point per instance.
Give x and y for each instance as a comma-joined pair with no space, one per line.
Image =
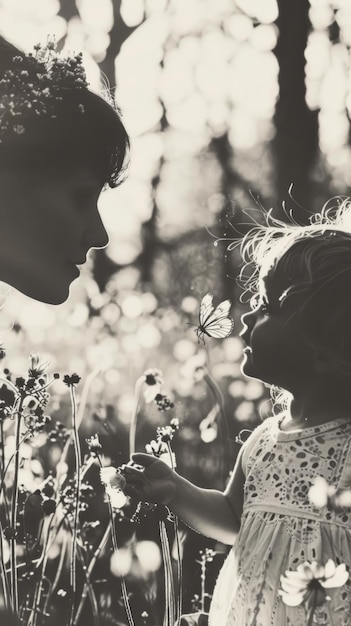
214,322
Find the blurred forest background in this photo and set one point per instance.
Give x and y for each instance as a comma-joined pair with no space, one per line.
227,103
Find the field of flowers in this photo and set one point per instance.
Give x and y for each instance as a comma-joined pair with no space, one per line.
69,546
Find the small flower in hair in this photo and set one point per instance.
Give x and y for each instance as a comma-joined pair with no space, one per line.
34,85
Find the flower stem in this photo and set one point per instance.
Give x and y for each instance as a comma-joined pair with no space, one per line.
115,547
89,571
79,418
170,609
14,581
203,582
311,607
78,462
179,554
133,420
40,585
3,572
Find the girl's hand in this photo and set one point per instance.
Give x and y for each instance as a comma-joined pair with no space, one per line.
153,481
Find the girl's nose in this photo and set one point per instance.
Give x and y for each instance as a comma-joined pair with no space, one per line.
248,322
248,319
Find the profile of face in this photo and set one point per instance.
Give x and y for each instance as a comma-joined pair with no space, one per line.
48,223
276,351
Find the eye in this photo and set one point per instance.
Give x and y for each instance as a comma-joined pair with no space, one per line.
265,307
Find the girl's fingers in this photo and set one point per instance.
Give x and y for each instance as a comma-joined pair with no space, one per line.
129,470
143,459
134,492
134,479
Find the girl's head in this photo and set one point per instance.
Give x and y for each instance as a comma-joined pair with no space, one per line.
302,309
60,144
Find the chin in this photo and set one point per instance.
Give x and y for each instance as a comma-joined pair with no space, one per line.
249,372
48,294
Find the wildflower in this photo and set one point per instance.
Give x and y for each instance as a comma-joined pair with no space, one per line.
161,450
2,352
36,423
153,379
166,433
36,366
71,380
163,403
94,445
311,579
114,483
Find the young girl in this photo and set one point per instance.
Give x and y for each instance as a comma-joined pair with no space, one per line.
297,337
60,144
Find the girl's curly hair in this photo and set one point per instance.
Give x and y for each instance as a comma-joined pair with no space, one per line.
311,261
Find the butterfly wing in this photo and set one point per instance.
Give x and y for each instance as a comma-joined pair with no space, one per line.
206,309
219,328
223,309
214,322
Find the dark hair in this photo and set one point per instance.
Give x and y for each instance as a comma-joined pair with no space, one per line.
86,130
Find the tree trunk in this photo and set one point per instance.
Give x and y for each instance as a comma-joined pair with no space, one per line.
295,145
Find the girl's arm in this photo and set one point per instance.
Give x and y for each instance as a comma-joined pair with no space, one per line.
209,512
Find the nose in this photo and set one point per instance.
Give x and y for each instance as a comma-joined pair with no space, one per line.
248,321
96,234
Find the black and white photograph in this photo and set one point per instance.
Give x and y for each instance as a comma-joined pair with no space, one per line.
175,313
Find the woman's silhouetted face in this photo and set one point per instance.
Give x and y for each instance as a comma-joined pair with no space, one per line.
48,223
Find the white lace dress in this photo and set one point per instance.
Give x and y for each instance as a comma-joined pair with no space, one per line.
281,529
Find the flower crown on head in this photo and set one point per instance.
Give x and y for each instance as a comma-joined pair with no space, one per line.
34,85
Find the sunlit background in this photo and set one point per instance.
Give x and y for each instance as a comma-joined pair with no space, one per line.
227,103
